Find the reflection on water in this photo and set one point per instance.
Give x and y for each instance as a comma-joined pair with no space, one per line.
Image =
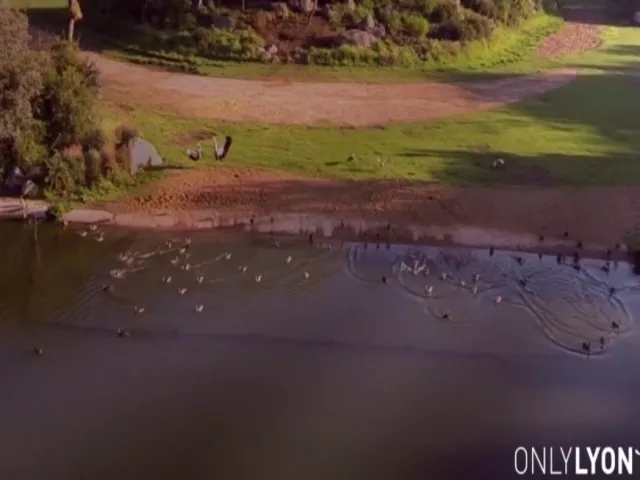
304,361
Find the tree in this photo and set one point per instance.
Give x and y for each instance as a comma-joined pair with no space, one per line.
20,85
75,15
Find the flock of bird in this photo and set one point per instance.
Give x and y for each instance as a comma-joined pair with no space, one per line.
420,267
417,267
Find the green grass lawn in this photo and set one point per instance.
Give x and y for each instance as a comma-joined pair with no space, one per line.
587,133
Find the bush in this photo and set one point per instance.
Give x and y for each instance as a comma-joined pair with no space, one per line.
471,27
218,43
49,113
486,8
66,173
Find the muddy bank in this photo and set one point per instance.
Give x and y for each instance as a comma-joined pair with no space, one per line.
504,216
329,229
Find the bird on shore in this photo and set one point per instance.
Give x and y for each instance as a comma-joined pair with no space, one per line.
221,153
602,343
288,259
306,275
242,268
615,326
166,279
258,278
586,348
499,163
351,158
443,276
38,350
200,279
138,310
227,256
428,289
107,288
498,300
195,154
123,333
384,279
182,291
446,316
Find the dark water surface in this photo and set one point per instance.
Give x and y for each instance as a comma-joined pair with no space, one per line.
340,375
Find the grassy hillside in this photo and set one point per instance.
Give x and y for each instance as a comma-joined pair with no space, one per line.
353,39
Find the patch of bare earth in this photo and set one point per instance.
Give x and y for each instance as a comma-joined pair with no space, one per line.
311,103
573,38
599,215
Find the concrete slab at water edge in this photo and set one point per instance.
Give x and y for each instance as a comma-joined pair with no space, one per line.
12,208
83,215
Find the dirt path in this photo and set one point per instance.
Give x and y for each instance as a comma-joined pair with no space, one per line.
312,103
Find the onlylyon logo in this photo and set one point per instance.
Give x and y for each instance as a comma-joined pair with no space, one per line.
575,461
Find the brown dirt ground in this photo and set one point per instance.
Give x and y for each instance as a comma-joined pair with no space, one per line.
600,216
603,215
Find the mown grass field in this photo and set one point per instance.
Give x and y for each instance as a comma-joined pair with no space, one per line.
587,133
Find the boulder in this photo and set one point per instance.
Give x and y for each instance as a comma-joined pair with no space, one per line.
222,22
303,6
358,38
265,56
281,10
327,11
368,23
143,154
379,31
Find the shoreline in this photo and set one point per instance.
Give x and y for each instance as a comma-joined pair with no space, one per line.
329,228
379,227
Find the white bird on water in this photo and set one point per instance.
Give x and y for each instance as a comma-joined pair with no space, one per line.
138,310
288,260
199,308
166,279
306,275
227,255
428,289
182,291
258,278
200,279
498,299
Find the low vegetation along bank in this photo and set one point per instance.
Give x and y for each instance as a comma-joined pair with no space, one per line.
50,128
203,36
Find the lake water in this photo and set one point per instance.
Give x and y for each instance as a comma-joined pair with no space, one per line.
339,363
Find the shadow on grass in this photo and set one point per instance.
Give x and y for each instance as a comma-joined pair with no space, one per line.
467,167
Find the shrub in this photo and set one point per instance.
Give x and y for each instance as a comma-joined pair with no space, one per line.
66,173
415,26
218,43
443,12
67,104
486,8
